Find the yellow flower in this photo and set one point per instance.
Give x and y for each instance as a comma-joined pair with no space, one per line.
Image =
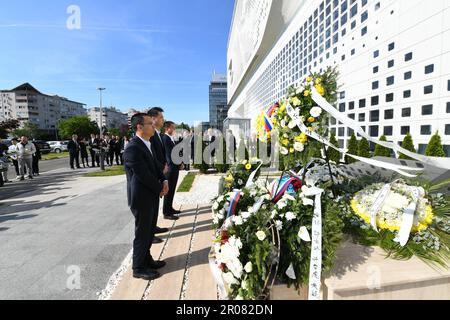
320,89
302,138
248,166
318,81
282,108
311,119
291,150
307,93
285,142
295,101
229,178
274,122
309,79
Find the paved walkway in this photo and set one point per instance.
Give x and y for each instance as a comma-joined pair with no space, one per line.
185,249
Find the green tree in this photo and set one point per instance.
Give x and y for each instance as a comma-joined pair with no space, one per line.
79,125
114,132
434,148
352,149
29,130
363,148
407,144
381,151
7,126
184,126
333,155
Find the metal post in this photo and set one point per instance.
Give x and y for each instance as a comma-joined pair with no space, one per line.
102,155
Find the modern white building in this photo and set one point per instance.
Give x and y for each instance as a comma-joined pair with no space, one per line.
393,57
26,104
112,117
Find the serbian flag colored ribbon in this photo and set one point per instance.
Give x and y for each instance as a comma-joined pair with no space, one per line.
276,195
233,203
272,110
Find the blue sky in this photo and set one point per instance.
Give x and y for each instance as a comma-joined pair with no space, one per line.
145,52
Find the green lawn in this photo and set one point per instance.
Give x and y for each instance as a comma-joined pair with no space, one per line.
109,172
53,155
187,182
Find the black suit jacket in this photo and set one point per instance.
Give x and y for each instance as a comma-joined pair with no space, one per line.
169,145
160,150
144,177
73,147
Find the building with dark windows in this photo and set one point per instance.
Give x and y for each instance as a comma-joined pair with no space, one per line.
391,54
218,103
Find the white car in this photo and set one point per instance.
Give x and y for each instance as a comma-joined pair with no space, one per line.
58,146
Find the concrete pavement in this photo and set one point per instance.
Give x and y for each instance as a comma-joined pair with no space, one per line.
63,238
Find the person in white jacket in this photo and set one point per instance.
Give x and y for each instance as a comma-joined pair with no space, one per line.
12,152
25,151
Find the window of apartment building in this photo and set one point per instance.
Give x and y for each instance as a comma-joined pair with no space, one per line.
429,69
390,63
448,107
391,46
353,25
333,131
389,114
407,94
377,53
375,69
448,85
375,85
350,132
375,100
408,75
333,121
363,31
389,97
342,107
388,131
373,131
342,95
390,81
351,105
427,110
377,6
428,89
344,32
362,117
362,103
351,116
406,112
354,11
404,130
408,56
425,130
341,132
374,115
447,129
364,16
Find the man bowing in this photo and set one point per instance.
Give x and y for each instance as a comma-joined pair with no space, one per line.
146,184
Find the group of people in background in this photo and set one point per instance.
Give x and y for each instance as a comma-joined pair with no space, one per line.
25,156
111,146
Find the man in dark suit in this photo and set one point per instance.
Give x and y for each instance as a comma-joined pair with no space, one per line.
174,171
74,152
94,150
157,115
146,184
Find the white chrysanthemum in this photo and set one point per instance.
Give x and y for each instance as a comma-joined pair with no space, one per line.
220,199
292,124
245,215
215,206
238,220
299,147
290,216
316,112
248,267
284,151
279,225
261,235
274,214
281,204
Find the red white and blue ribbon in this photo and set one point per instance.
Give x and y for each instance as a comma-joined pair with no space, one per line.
272,110
234,200
268,123
282,187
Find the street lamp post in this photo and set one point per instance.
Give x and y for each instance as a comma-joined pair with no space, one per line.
102,155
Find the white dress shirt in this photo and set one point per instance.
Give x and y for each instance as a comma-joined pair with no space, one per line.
147,143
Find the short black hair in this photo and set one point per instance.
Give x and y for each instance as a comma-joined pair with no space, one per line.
15,139
154,112
168,124
138,119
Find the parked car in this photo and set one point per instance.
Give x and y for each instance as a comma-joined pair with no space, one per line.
43,146
58,146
